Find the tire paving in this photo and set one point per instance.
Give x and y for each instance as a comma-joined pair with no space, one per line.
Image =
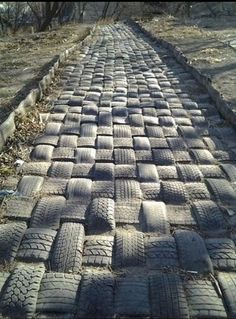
127,205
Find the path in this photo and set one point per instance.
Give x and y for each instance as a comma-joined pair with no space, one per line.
128,205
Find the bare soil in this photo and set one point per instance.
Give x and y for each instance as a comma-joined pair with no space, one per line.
26,58
209,43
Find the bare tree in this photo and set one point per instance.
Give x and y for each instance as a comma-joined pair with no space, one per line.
13,15
94,10
81,6
118,9
78,10
44,12
113,11
105,10
209,7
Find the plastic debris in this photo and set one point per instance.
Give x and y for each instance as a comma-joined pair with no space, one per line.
18,163
6,192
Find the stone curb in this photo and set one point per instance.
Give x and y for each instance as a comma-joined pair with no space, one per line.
7,128
222,106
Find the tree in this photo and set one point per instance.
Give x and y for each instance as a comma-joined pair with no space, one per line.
13,15
44,12
112,10
79,11
105,9
184,8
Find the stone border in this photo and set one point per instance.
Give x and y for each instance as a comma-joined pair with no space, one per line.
8,127
222,106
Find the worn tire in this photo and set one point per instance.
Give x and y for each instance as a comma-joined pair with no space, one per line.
222,253
131,297
168,299
98,251
129,249
101,215
19,295
36,244
203,300
68,248
47,213
227,282
11,235
96,295
192,251
155,219
161,252
58,293
209,216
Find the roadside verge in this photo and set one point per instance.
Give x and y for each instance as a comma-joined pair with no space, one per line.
221,104
7,128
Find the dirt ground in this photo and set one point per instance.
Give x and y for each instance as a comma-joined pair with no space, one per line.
26,57
209,43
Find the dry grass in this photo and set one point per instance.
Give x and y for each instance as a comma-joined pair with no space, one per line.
24,56
28,127
182,32
105,21
207,44
17,146
171,29
209,55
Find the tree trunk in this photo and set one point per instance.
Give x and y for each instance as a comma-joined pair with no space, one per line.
105,9
37,15
177,9
77,9
188,9
115,9
2,24
46,23
208,5
52,10
45,13
80,11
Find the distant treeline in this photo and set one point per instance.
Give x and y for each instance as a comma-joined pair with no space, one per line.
42,15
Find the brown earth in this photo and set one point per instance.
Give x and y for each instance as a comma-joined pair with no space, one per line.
26,58
209,43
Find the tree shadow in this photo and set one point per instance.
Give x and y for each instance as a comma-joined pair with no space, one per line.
220,69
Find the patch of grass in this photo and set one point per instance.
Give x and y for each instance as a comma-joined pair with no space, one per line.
28,127
171,28
17,146
4,92
6,170
105,21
